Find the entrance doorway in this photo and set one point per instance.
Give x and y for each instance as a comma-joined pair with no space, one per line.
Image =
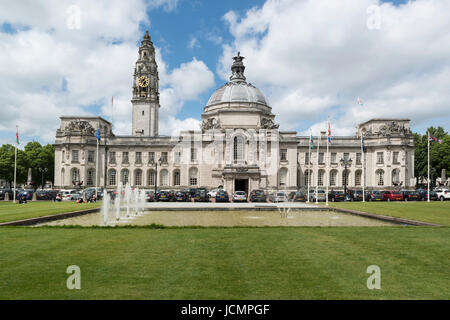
241,185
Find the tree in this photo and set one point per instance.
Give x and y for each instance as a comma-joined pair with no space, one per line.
40,157
7,164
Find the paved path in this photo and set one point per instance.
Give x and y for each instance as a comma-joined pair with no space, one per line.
227,205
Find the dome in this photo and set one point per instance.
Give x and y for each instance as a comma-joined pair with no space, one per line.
237,90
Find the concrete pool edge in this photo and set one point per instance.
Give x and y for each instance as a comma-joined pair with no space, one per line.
54,217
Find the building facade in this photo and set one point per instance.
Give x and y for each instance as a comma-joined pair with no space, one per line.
239,146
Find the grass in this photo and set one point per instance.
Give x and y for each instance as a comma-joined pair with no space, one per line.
10,211
434,212
225,263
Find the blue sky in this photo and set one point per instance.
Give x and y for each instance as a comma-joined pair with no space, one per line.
311,59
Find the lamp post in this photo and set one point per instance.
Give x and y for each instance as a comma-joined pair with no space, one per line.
345,162
155,163
43,171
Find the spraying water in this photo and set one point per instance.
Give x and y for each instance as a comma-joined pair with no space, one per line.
128,198
117,201
105,208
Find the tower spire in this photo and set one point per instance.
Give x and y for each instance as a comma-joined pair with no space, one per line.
238,68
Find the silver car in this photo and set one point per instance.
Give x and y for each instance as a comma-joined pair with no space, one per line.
278,197
321,196
239,196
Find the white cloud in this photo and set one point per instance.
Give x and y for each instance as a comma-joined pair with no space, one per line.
193,43
48,70
313,58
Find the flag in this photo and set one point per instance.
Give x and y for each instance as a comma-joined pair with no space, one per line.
432,138
311,141
97,134
329,132
17,136
362,144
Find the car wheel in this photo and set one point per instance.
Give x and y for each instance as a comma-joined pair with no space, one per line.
442,198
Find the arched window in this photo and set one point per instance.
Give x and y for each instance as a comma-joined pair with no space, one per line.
193,176
321,175
63,173
346,177
283,176
238,148
395,176
90,177
176,178
379,174
333,177
112,177
151,177
124,176
358,175
138,177
164,177
308,176
75,175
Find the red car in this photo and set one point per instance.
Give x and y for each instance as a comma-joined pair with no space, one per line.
392,196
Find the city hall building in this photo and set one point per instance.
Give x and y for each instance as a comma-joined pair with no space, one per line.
239,146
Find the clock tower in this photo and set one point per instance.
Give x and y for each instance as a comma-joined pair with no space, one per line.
145,91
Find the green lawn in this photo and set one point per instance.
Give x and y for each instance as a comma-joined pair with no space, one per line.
434,212
14,211
225,263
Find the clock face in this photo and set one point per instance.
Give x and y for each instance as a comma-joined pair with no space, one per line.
143,81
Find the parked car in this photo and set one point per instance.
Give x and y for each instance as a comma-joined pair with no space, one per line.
150,196
163,196
212,193
3,193
409,195
433,196
321,196
442,194
201,196
297,196
357,195
42,195
239,196
258,196
192,192
181,196
28,194
392,195
335,196
222,196
278,196
376,196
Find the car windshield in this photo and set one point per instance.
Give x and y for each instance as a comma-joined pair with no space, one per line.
240,193
280,194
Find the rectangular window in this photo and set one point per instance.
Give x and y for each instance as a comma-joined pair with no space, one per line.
177,156
380,157
358,158
395,158
63,155
358,178
321,158
283,154
75,156
138,157
125,158
193,154
91,155
307,160
333,157
346,156
112,157
151,157
164,157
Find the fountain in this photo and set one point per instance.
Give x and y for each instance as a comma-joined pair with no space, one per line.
136,201
128,198
105,208
117,201
142,200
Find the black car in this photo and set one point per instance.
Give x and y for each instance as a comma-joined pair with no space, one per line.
376,196
297,196
163,196
42,195
201,196
181,196
411,195
335,196
433,196
357,195
150,196
3,193
222,196
258,196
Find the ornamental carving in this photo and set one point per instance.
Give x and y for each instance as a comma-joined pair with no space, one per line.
394,128
267,123
209,124
79,127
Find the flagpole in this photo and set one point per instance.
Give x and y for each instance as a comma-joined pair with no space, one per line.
428,180
326,165
309,164
363,170
96,175
15,164
112,113
317,175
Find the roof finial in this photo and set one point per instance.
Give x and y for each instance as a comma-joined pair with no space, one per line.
238,68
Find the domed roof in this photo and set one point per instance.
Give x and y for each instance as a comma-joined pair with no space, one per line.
237,90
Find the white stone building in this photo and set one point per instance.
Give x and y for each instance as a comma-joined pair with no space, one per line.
238,146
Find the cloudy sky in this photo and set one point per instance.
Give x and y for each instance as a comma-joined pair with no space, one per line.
311,58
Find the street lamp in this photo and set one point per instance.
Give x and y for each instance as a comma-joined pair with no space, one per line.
345,162
43,171
155,163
